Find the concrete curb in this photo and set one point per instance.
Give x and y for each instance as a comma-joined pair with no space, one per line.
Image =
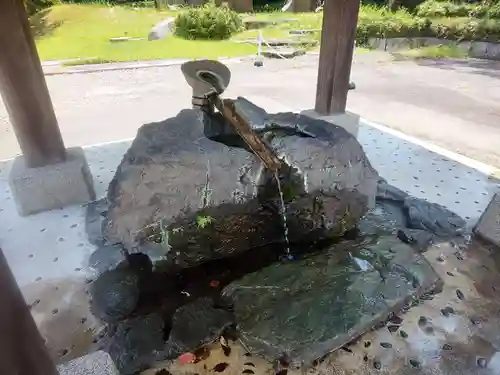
474,49
52,70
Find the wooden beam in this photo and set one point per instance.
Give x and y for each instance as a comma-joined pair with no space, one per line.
24,90
338,35
22,348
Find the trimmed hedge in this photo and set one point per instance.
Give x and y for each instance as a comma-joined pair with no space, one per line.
381,23
208,22
33,6
434,8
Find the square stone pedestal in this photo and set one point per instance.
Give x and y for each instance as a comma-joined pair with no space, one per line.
347,120
97,363
488,226
52,186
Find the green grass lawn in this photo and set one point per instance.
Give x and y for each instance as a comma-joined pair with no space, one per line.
434,52
83,31
72,31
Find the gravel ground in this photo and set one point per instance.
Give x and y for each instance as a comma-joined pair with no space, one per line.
454,104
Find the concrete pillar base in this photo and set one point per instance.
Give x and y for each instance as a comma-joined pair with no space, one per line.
488,226
97,363
347,120
52,186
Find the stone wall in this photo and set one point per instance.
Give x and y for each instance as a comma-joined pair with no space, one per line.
475,49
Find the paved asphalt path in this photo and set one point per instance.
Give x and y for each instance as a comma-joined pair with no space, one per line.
454,104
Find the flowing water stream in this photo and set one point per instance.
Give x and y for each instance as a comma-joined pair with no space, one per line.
283,216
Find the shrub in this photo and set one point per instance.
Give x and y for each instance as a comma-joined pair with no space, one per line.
381,23
472,29
435,8
208,22
33,6
494,10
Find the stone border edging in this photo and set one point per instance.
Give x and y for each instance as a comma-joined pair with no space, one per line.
476,49
51,70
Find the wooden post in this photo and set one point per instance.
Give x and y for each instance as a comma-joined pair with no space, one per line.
22,348
24,90
338,35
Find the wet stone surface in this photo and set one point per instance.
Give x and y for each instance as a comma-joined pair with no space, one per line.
306,308
94,219
204,161
418,214
233,229
115,294
137,343
195,325
106,258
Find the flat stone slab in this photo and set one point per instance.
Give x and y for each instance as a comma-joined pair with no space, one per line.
304,309
97,363
488,226
280,53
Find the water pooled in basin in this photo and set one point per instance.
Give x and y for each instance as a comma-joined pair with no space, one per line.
283,216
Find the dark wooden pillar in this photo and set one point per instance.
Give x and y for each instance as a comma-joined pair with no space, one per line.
24,90
22,349
338,35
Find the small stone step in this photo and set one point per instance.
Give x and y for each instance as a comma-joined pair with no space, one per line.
488,226
97,363
303,32
280,53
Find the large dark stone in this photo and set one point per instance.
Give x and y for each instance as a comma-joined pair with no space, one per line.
106,258
230,229
433,217
94,218
419,239
115,294
306,308
197,324
137,343
414,213
193,161
389,192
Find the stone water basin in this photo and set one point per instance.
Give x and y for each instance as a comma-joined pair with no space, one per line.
175,292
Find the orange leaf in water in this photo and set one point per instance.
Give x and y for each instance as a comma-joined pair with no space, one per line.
187,358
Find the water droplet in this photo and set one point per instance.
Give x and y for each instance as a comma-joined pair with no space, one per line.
386,345
396,319
377,365
422,321
392,328
481,362
447,311
219,367
414,363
